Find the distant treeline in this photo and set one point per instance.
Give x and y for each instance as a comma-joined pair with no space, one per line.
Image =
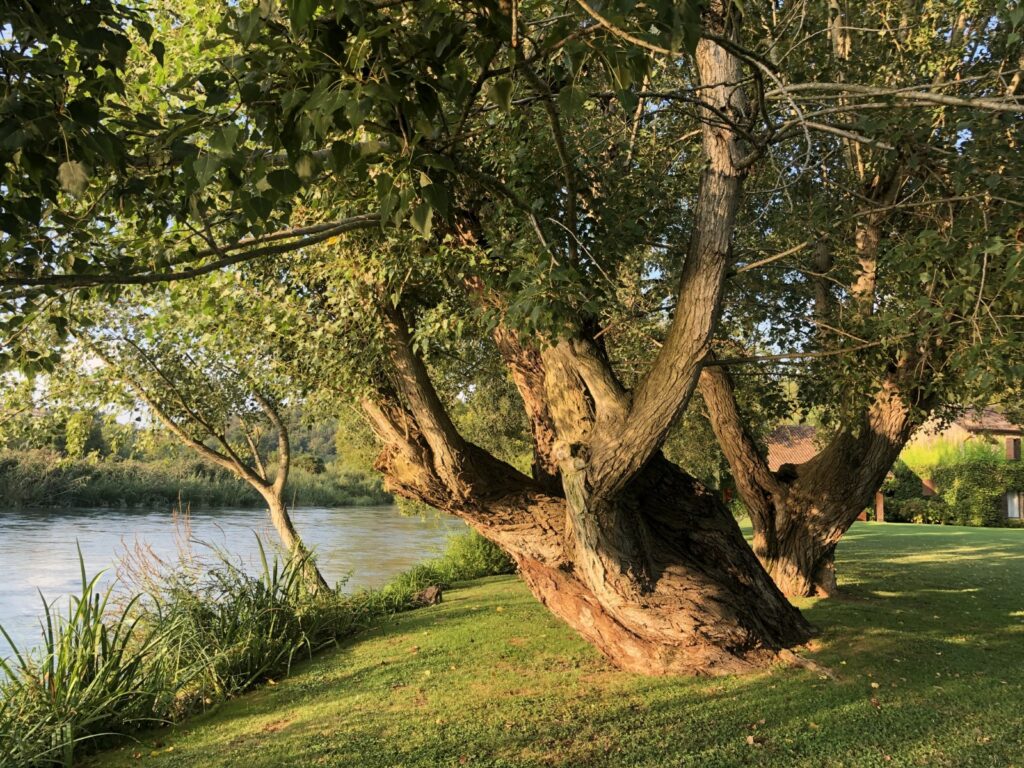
45,478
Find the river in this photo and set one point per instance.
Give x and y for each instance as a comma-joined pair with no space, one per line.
38,549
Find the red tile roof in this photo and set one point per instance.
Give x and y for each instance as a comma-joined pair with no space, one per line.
791,444
987,420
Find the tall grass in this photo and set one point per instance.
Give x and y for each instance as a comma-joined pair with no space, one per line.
42,478
93,673
184,637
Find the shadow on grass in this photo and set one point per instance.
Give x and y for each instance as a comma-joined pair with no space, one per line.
925,642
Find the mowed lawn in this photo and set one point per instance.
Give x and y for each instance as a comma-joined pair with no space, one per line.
927,644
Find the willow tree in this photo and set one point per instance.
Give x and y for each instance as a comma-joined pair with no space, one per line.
186,359
476,181
899,254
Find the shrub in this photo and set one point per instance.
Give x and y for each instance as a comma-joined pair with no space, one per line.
972,480
41,478
467,556
94,674
903,483
974,488
192,634
920,510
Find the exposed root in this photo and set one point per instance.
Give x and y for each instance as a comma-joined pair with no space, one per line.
795,660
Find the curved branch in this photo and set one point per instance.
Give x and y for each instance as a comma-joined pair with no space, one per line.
757,486
912,95
309,236
620,450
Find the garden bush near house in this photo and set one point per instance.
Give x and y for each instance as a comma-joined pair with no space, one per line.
975,488
191,636
971,481
902,483
920,510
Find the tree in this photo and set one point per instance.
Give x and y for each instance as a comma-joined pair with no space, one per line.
414,186
918,277
209,389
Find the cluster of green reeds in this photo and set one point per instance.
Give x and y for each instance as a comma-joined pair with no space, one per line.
184,638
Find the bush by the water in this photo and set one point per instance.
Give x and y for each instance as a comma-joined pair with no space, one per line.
192,636
44,478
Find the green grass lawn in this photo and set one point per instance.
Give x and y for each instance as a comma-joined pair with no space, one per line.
927,643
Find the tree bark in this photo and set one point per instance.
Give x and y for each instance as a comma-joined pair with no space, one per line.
630,551
660,579
800,513
292,542
658,576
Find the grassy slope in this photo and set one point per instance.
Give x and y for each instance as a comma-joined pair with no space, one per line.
934,616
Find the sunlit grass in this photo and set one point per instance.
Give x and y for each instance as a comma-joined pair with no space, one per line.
925,642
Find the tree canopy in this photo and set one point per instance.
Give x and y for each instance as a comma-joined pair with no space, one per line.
424,206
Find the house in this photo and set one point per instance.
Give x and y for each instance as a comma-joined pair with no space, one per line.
796,443
791,444
984,425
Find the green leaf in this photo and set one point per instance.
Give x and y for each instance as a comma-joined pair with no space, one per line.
73,177
300,12
499,92
571,100
205,167
85,111
284,181
437,196
422,218
223,142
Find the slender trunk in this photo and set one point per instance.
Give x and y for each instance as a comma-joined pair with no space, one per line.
292,542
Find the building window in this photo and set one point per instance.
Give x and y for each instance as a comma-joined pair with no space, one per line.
1013,448
1013,505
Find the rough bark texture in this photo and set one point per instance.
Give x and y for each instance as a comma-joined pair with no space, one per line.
800,513
659,579
626,548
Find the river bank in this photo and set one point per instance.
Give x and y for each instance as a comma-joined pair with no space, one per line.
364,546
45,480
924,644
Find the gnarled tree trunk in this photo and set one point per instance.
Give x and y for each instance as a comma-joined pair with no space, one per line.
659,578
799,513
626,548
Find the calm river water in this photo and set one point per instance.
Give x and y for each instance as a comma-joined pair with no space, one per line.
38,548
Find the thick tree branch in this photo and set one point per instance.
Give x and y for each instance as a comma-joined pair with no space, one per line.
914,95
413,381
758,487
619,451
252,248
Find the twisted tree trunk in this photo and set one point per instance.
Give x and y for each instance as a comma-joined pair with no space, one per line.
626,548
799,513
659,578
